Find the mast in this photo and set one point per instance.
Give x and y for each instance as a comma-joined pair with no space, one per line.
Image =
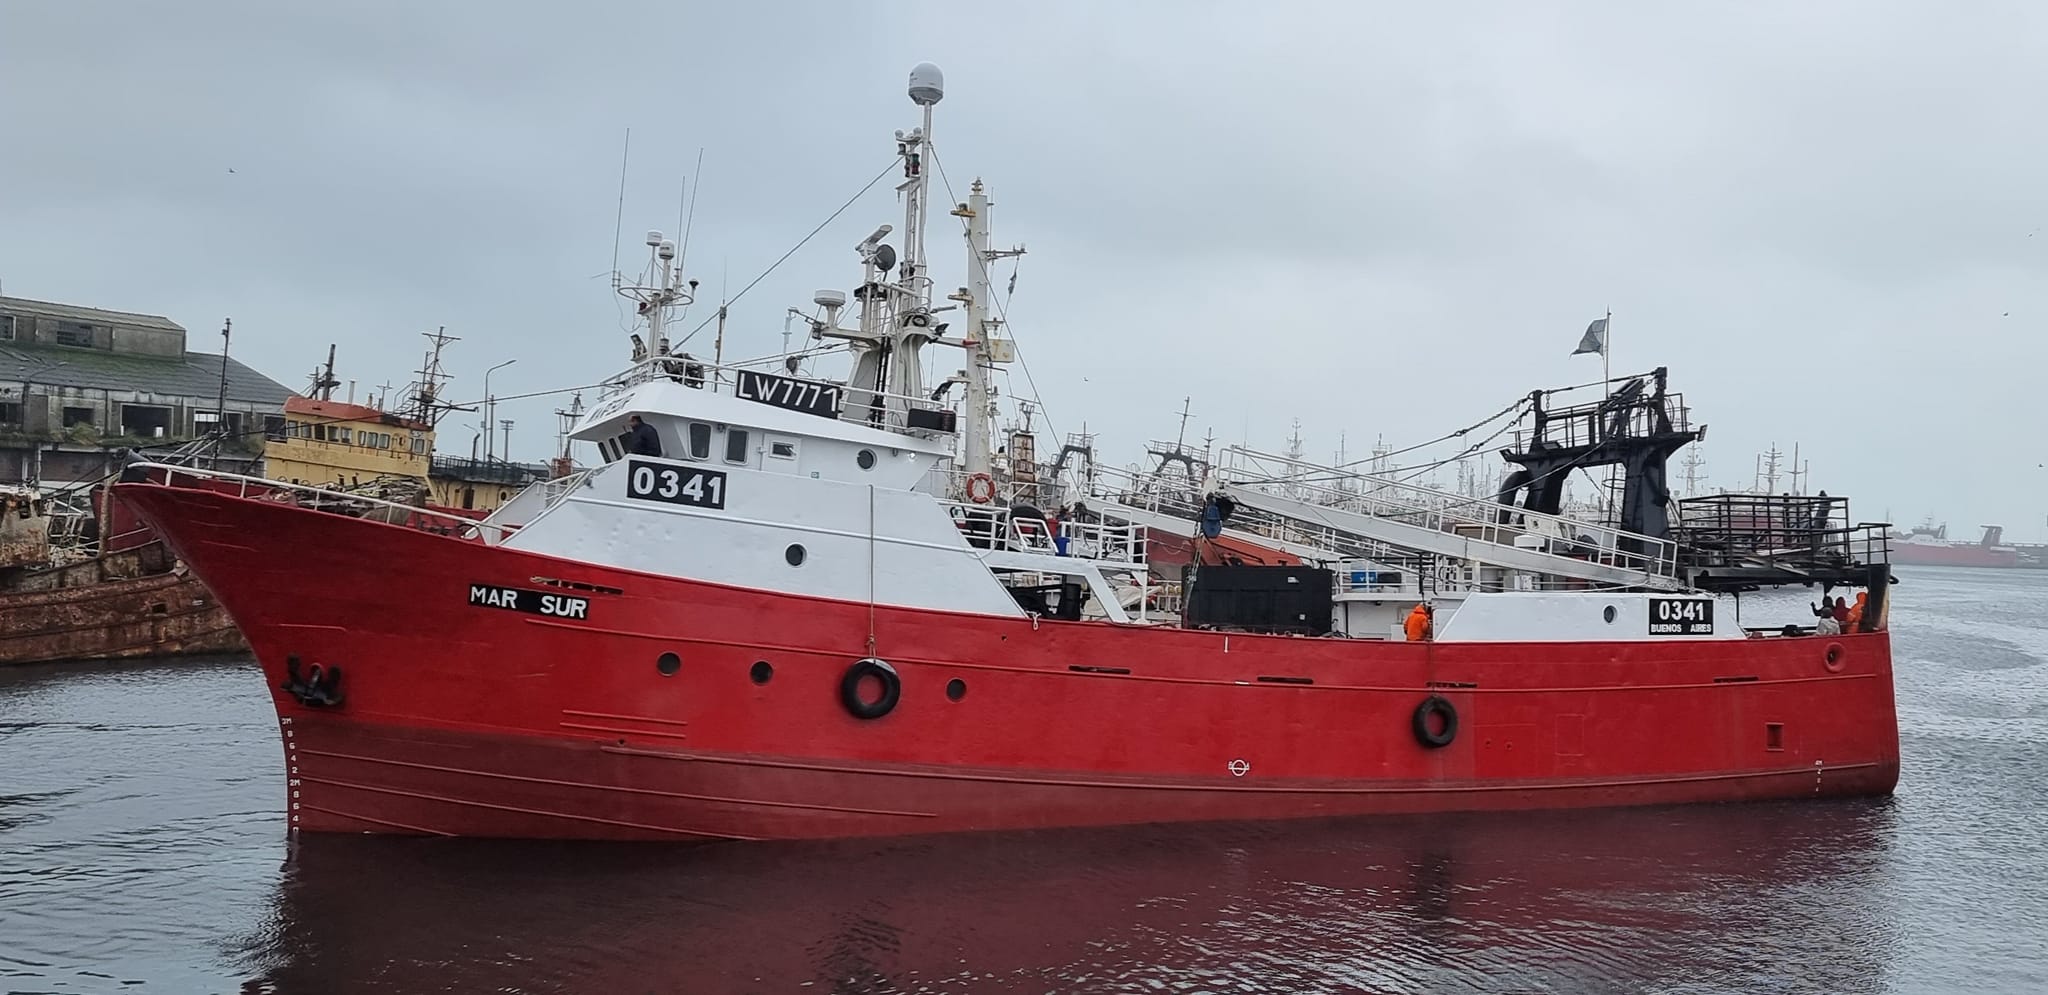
910,303
975,443
1767,469
427,406
323,378
1295,452
1693,464
895,320
983,345
661,287
927,88
220,411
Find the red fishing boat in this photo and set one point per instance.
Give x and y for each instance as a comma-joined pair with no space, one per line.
1929,546
788,606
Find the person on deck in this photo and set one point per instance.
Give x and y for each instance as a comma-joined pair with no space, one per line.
1825,611
1855,623
1841,611
641,438
1419,624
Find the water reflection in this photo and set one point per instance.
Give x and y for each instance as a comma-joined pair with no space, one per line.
1680,899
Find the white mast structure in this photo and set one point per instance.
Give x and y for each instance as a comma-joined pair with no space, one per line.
661,287
983,345
895,317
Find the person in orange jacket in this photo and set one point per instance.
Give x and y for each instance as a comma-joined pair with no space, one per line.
1856,612
1419,623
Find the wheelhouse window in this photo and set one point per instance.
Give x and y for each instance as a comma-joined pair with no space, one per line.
700,440
736,445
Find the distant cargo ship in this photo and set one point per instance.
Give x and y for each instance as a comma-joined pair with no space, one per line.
1929,545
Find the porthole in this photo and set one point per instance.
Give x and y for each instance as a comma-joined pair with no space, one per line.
761,672
668,664
956,689
866,459
794,554
1608,614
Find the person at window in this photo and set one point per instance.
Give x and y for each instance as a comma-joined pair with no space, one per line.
644,441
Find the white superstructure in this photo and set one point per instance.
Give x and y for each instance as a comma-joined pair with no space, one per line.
878,489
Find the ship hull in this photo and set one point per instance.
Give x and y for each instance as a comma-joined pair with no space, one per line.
664,708
1920,554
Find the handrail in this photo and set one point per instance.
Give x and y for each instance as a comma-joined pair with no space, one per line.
269,486
721,378
1444,511
1101,543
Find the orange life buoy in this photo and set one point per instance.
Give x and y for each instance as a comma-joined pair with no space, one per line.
981,488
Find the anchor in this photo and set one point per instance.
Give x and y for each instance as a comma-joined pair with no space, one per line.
319,687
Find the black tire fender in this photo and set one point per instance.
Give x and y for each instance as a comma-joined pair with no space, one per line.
849,689
1436,704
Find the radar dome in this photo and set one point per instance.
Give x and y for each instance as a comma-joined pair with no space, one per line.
927,84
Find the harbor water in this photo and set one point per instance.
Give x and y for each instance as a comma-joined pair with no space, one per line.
142,849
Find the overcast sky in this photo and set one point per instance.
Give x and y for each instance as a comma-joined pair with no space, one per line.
1382,219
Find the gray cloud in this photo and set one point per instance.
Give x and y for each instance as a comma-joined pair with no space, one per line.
1380,219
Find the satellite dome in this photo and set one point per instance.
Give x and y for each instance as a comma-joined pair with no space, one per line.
927,84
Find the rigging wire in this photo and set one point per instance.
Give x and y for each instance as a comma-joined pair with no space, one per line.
1411,472
1406,473
834,216
1514,409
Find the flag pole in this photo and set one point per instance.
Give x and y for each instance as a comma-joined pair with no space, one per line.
1607,494
1607,356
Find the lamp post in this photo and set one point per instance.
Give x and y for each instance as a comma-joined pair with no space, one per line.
35,445
491,405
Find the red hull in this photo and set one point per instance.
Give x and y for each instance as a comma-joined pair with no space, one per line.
1918,554
478,721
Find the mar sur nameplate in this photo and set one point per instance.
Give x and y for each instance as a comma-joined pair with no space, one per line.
531,602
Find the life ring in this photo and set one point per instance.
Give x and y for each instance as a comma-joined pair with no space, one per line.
981,488
1831,658
1436,705
849,689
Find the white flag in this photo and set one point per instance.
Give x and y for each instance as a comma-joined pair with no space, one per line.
1595,339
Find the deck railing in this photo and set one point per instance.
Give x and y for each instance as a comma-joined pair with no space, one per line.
885,410
321,499
993,527
1480,519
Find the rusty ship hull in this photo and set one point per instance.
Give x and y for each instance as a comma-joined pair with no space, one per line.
122,605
